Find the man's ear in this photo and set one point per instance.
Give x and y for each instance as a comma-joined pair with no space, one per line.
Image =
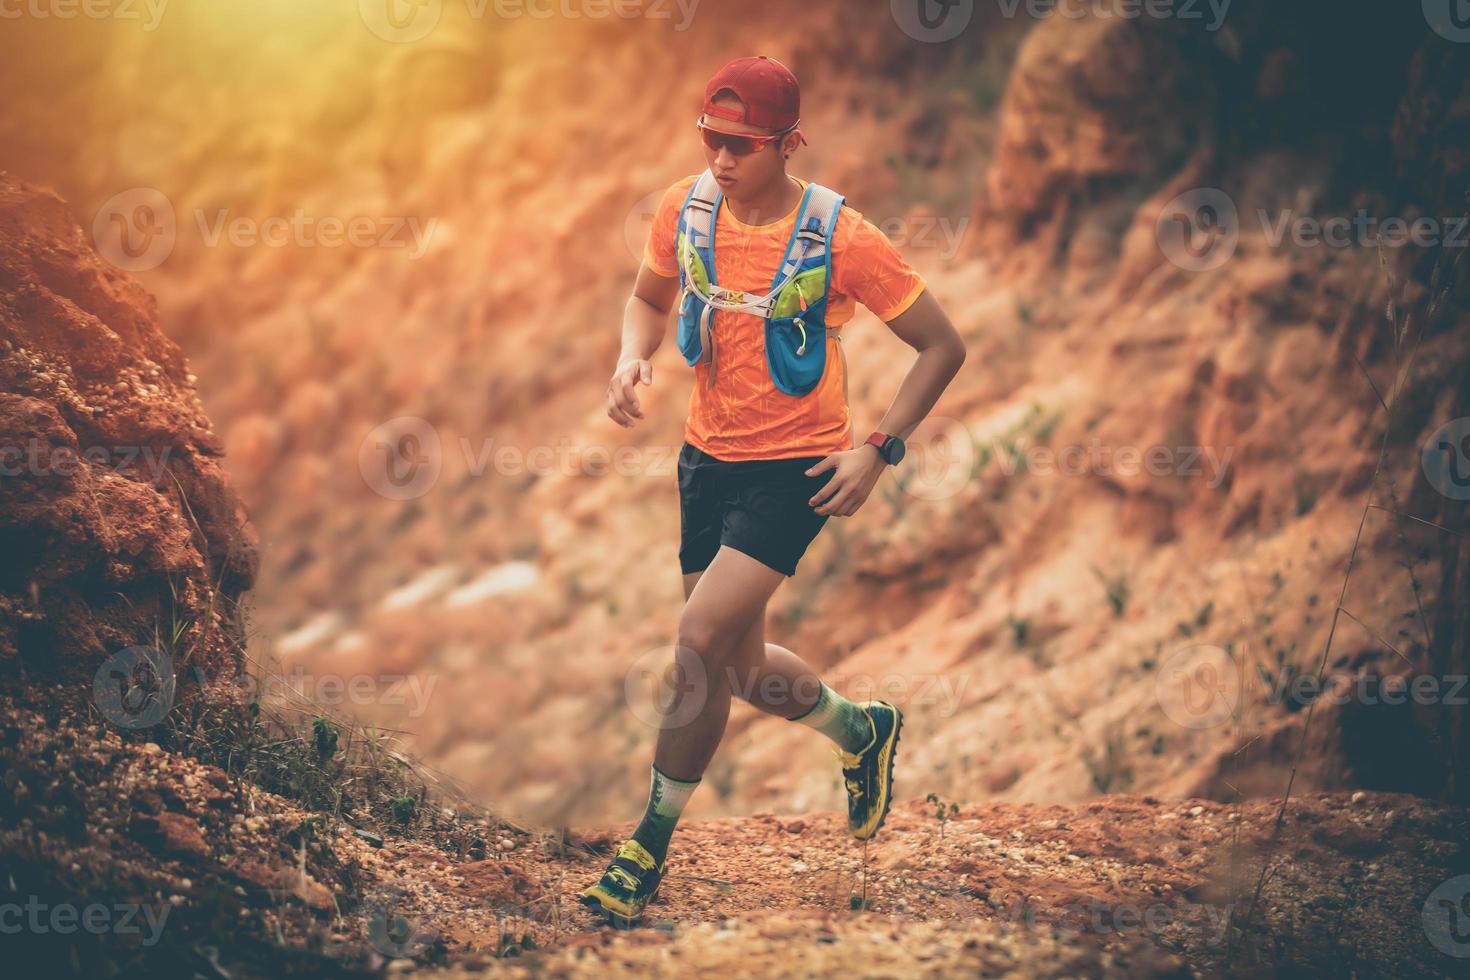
789,143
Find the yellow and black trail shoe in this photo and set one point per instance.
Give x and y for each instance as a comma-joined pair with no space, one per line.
869,773
626,888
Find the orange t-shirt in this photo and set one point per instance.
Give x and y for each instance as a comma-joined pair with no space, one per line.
744,415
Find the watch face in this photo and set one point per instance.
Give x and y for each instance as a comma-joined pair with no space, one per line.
893,450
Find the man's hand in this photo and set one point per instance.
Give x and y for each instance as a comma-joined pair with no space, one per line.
857,472
622,400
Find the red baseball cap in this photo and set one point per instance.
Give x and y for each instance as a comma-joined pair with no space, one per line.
770,93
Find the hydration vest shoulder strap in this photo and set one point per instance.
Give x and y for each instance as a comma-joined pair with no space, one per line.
697,222
811,239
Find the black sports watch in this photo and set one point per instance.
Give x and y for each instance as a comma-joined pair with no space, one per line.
891,448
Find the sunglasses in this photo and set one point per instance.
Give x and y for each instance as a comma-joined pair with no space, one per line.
740,144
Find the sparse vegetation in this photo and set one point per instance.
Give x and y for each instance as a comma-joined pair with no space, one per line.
1108,766
1116,589
941,813
1020,628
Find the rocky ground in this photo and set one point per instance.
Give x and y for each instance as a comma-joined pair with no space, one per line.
1031,617
261,885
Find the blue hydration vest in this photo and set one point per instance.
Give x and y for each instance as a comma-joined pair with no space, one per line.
795,309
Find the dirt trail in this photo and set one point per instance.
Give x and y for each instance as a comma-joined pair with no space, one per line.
1125,886
1120,886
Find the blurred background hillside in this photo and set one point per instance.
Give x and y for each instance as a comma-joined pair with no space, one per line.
1048,626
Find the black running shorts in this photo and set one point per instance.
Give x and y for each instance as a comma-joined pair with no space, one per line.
756,506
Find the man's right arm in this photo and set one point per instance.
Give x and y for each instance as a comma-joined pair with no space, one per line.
645,321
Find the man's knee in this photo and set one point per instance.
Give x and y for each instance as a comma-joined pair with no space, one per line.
715,639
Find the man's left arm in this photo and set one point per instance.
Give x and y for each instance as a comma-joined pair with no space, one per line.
941,350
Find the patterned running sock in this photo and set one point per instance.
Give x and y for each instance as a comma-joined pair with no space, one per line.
840,720
666,799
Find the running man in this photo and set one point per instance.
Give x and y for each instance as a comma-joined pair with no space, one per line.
761,269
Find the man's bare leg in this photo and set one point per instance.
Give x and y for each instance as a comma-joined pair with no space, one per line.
729,596
768,675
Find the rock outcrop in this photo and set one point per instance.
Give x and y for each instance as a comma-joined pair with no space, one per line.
118,525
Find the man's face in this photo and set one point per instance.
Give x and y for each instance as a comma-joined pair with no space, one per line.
741,174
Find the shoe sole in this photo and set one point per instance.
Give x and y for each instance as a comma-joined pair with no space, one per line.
608,916
888,797
616,919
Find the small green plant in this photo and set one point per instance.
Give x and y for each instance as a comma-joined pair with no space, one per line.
324,737
1108,767
1116,588
512,945
1306,493
1020,628
941,813
1201,619
312,826
722,779
1280,678
403,808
